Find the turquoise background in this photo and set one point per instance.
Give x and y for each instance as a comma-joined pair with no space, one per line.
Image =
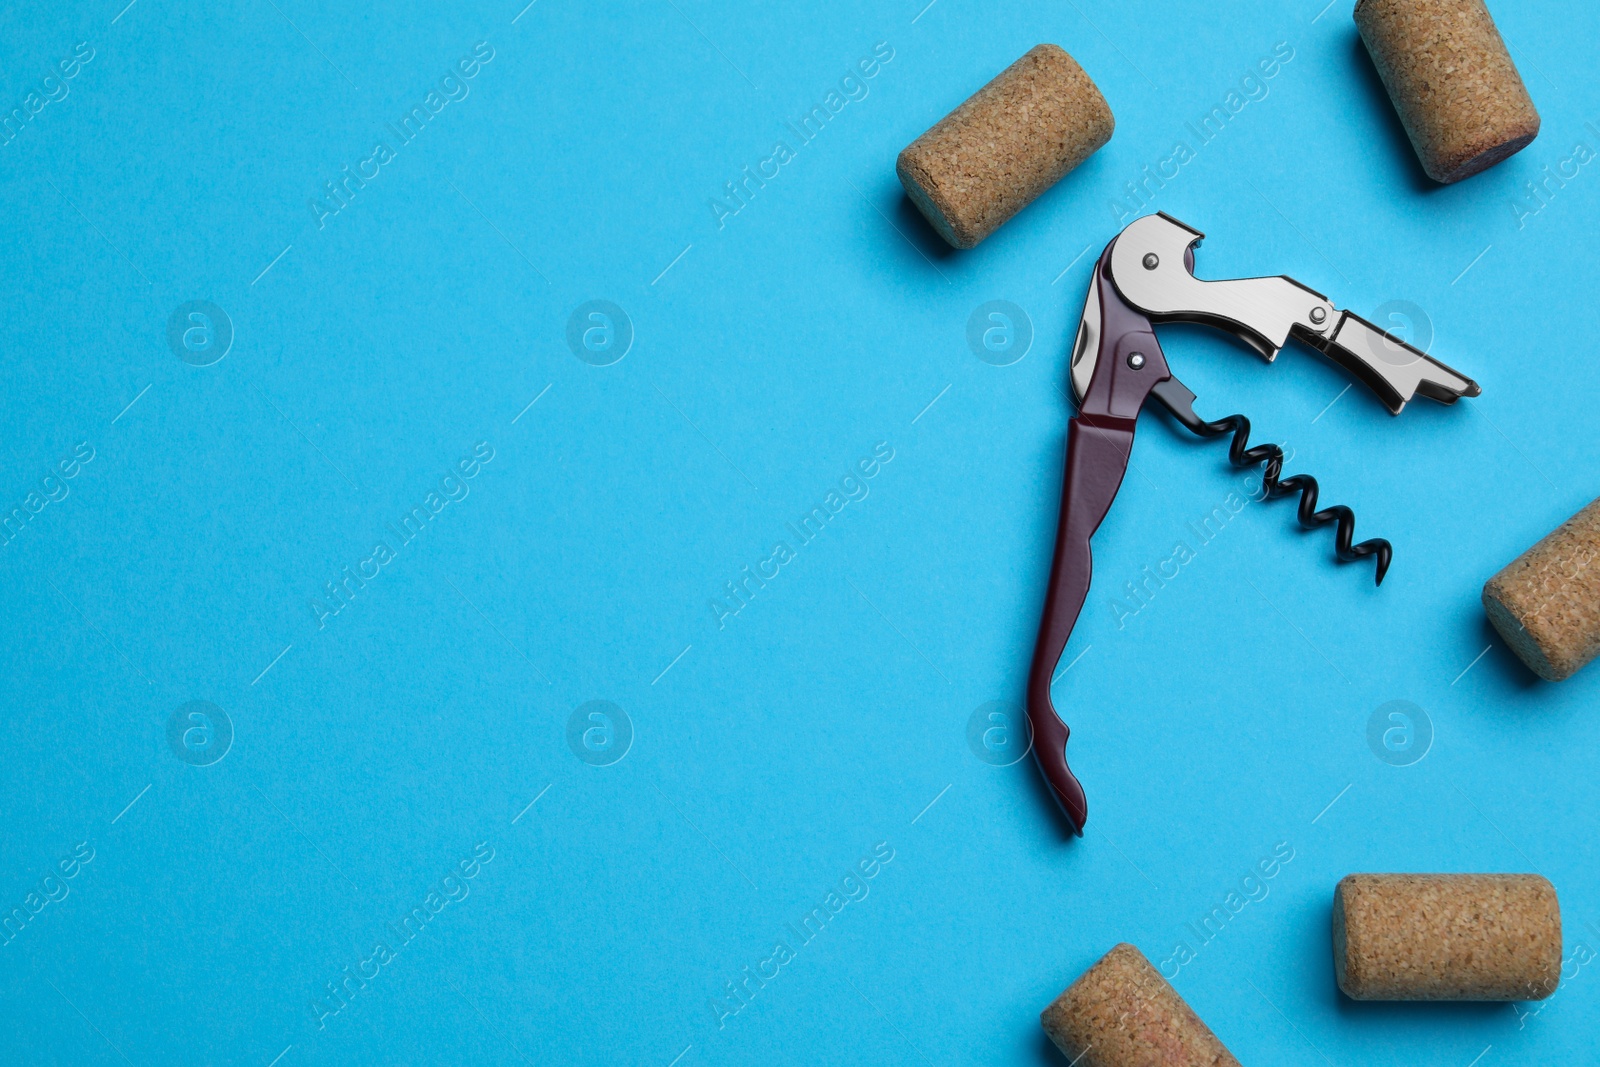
377,751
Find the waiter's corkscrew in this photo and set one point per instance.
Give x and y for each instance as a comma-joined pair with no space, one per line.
1146,276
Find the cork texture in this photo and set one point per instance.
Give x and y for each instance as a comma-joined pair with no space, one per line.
1122,1013
1447,70
1546,603
1009,142
1446,937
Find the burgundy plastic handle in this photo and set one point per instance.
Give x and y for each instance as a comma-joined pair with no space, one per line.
1097,457
1128,366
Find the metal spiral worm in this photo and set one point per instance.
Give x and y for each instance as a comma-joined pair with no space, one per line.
1310,517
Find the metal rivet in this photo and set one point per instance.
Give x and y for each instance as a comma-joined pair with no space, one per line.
1136,361
1319,315
1151,261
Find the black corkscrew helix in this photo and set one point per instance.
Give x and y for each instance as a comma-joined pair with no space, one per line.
1242,456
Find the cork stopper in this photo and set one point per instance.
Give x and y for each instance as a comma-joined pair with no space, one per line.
1446,937
1546,604
1122,1013
1010,141
1447,70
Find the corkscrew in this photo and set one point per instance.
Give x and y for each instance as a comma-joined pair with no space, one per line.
1146,276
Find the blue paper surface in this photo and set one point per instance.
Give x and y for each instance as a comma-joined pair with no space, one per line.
471,598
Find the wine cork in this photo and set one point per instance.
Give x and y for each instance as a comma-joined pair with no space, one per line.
1447,70
1010,141
1122,1013
1546,604
1446,937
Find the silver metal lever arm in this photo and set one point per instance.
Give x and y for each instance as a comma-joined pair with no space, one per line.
1152,265
1391,368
